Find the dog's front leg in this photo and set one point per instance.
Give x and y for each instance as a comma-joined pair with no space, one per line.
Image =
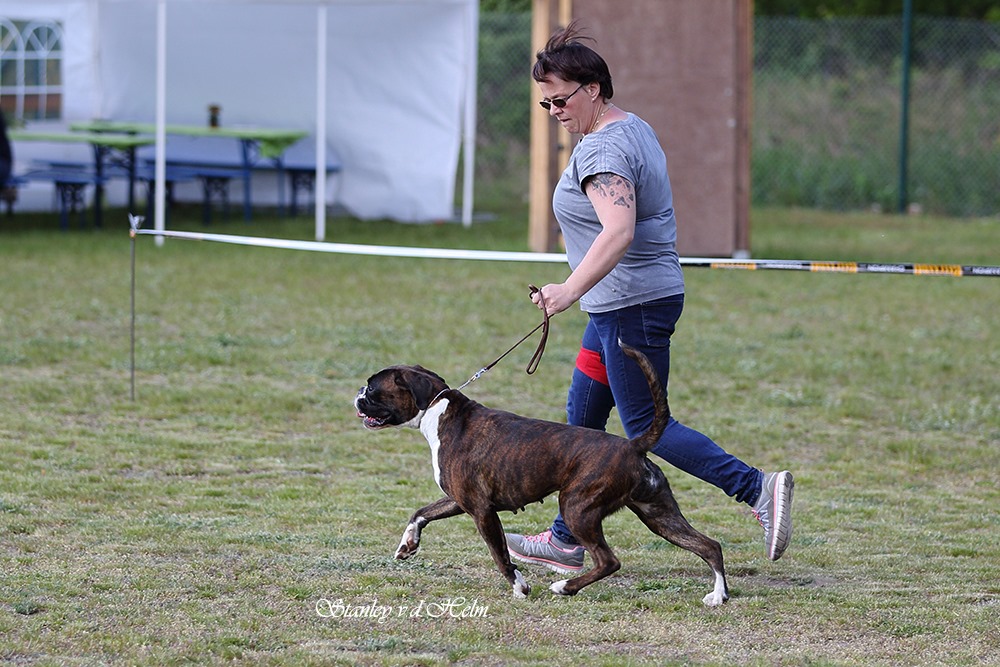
440,509
491,531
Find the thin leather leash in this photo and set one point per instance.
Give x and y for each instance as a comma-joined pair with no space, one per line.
544,326
535,358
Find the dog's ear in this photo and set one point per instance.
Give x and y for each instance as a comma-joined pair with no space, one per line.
422,384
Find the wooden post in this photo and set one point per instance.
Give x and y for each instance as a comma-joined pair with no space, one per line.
542,139
744,104
564,140
550,142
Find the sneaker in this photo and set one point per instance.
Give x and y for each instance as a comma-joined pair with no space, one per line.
774,511
545,549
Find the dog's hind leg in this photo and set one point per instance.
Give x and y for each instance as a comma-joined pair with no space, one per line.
440,509
662,516
587,529
491,531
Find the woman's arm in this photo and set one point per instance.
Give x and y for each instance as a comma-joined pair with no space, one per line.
613,198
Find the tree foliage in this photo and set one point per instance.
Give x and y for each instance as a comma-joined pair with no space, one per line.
507,6
968,9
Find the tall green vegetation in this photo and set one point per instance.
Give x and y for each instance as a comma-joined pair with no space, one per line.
970,9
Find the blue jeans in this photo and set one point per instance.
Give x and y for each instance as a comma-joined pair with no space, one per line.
604,378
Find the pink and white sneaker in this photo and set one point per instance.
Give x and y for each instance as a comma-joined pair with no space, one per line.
774,511
547,550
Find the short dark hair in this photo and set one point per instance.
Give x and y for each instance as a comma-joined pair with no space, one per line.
566,57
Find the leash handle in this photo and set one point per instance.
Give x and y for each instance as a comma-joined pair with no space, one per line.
536,358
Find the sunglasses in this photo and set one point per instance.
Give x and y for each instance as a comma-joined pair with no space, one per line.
559,102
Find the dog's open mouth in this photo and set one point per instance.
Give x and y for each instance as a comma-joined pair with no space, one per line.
372,422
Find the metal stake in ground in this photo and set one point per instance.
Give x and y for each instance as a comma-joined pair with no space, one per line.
134,222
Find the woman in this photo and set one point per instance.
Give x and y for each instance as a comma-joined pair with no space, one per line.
615,208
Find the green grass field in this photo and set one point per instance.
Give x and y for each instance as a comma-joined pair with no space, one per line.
236,511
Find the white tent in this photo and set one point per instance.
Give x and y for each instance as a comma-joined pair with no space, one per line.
386,85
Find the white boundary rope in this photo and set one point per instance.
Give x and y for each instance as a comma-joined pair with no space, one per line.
814,266
356,249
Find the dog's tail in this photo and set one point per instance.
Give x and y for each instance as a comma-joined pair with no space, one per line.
661,416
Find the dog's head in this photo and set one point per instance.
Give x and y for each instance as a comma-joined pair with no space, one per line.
397,396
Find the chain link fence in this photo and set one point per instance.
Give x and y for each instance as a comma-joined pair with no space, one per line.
827,108
827,111
504,105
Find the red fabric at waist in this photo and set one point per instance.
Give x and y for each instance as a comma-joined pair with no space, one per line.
589,363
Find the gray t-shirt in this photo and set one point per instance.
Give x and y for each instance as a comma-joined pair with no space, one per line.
650,268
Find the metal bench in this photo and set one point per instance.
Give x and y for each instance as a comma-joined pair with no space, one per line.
214,185
219,159
70,186
300,164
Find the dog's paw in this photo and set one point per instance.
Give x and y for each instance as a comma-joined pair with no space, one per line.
409,544
714,599
403,552
559,588
719,594
521,587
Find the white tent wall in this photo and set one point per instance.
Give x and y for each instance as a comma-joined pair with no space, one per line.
80,88
396,82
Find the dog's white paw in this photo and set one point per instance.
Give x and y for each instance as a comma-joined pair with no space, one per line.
719,594
559,587
521,587
713,599
410,543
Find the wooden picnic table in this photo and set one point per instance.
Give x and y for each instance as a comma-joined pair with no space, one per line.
107,149
256,143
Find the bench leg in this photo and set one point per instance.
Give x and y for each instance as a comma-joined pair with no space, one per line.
212,186
299,179
70,198
151,199
206,204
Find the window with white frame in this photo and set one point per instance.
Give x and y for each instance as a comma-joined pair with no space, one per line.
30,69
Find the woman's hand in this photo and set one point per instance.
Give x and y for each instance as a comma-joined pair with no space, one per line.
557,297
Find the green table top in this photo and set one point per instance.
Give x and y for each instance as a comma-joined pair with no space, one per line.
93,138
272,141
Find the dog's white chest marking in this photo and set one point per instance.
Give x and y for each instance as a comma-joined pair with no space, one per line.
429,428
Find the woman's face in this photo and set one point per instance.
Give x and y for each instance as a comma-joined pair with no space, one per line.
578,112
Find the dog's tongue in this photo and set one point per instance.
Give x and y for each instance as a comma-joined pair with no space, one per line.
371,422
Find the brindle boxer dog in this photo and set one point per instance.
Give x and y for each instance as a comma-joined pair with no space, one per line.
487,461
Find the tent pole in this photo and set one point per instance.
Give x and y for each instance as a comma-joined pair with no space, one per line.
319,191
469,122
160,167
